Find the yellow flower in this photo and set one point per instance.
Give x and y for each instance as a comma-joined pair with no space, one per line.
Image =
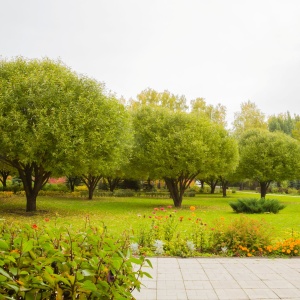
295,251
288,251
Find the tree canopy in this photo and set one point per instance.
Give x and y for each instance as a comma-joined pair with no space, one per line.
250,117
150,97
214,113
268,156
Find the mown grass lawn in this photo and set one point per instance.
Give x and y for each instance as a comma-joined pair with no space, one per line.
120,214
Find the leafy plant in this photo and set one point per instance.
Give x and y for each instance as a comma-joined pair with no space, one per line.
256,206
50,262
243,232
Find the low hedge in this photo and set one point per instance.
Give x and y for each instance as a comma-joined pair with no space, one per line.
256,206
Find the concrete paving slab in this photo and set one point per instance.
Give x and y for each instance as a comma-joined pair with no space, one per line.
221,278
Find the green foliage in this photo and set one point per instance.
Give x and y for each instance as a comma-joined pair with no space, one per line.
177,146
52,262
268,156
54,122
256,206
243,236
124,193
190,193
250,117
55,187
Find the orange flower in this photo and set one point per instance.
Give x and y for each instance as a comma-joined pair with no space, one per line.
192,208
47,219
295,251
180,219
34,226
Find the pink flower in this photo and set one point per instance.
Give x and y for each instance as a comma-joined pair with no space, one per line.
169,206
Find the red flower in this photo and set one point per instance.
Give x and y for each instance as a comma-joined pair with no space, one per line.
162,208
34,226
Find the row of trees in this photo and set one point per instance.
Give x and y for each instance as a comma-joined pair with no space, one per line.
54,122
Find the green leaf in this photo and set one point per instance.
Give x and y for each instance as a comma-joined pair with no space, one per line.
87,273
3,245
3,278
149,262
136,261
27,246
89,285
146,274
5,274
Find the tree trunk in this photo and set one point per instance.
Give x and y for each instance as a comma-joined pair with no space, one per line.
177,186
72,180
212,183
91,182
264,188
4,174
33,177
224,183
175,194
113,182
31,203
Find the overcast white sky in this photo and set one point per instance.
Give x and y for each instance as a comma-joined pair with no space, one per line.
226,51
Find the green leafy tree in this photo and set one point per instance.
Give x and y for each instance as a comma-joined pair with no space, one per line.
223,162
150,97
250,117
268,156
214,113
282,122
48,116
109,146
174,146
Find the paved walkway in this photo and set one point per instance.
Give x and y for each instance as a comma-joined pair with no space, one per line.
221,278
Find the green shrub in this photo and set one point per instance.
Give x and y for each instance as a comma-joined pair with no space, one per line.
190,193
256,206
292,191
50,262
124,193
57,187
242,236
